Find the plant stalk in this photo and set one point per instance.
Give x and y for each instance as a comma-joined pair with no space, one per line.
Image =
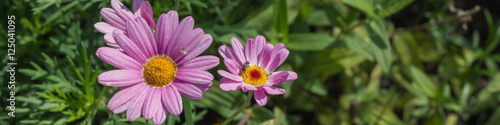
245,104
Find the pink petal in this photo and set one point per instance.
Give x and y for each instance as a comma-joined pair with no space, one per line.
253,48
273,64
120,77
292,76
167,23
134,109
187,89
204,87
245,87
276,78
227,53
160,116
278,47
117,58
120,108
147,13
108,38
112,18
238,50
206,41
265,55
121,10
149,33
260,97
280,52
277,60
230,60
229,85
104,27
274,90
232,66
190,43
228,75
129,47
172,100
194,76
141,37
123,96
201,63
152,104
136,5
183,30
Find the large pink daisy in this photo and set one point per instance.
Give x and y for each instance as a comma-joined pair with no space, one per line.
116,18
252,68
155,70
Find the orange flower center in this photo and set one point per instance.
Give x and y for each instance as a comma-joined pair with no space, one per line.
254,75
159,71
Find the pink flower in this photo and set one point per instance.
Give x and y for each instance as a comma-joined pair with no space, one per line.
116,18
156,71
252,68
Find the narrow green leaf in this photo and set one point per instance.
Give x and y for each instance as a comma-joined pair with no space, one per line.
405,46
380,45
337,13
261,114
86,64
280,115
318,17
75,70
358,45
281,18
309,41
313,84
362,5
188,113
171,119
49,60
389,7
423,81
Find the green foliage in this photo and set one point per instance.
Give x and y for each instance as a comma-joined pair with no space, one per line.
356,64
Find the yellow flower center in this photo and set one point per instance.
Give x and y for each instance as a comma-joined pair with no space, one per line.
254,75
159,71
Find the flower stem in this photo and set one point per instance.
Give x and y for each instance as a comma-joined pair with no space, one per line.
245,104
188,112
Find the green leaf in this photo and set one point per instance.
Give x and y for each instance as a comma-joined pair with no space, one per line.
374,114
188,113
313,84
362,5
389,7
280,116
49,60
281,18
262,18
358,45
318,17
35,74
423,81
309,41
380,43
74,115
171,119
261,114
405,46
339,15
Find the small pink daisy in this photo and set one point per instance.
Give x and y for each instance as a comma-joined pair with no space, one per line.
117,17
155,70
252,68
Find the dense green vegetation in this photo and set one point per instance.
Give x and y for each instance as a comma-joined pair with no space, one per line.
358,61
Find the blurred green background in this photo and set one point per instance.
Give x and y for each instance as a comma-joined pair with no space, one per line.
358,61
